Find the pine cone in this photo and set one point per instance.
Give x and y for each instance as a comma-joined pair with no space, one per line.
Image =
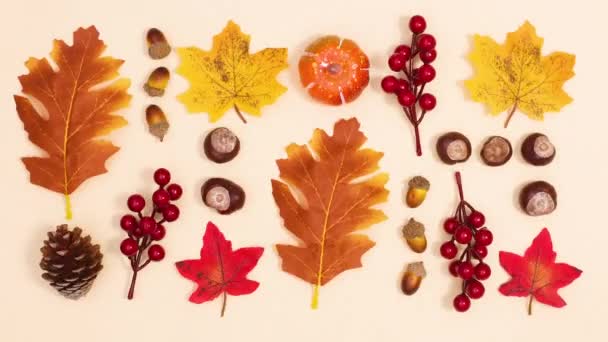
71,263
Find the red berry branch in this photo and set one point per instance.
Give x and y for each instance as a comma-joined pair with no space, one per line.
466,229
410,90
144,230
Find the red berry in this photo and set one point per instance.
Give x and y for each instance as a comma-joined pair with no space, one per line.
462,303
475,289
171,213
426,42
463,235
406,98
417,24
137,232
158,233
128,222
128,247
448,250
175,191
454,268
404,50
136,203
480,252
156,253
482,271
476,219
162,176
427,102
389,84
466,270
147,224
484,237
428,56
397,62
161,198
450,225
402,85
426,73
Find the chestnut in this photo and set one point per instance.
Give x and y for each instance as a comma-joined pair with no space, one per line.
537,149
221,145
453,147
496,151
222,195
538,198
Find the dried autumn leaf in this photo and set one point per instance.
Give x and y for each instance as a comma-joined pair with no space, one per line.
516,76
334,203
536,274
220,270
76,111
229,77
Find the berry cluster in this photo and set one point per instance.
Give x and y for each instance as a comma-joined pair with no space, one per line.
410,90
467,228
144,230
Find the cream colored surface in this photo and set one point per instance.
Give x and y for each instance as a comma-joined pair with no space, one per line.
359,305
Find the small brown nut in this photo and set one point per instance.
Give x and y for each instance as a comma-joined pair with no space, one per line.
453,147
157,82
537,149
413,232
158,47
496,151
222,195
412,278
538,198
416,192
221,145
157,122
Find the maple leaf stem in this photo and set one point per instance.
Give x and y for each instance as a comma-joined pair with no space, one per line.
224,300
315,298
511,112
238,112
68,207
530,305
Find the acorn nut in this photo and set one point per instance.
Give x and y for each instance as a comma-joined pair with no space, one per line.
453,147
496,151
412,278
538,198
157,82
221,145
413,232
222,195
158,47
416,192
537,149
157,121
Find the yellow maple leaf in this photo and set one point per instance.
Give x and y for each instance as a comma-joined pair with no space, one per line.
516,76
229,77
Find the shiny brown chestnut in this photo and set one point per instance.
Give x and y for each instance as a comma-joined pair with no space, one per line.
221,145
222,195
537,149
496,151
453,147
538,198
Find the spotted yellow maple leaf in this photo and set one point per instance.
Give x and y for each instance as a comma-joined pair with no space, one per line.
515,75
229,77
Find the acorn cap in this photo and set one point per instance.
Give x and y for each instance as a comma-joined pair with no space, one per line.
413,229
419,182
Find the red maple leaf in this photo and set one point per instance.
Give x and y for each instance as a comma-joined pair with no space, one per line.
220,270
536,274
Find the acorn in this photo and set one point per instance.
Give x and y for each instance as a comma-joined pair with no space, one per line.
416,192
538,198
413,232
221,145
157,122
158,47
222,195
157,82
412,278
537,149
453,147
496,151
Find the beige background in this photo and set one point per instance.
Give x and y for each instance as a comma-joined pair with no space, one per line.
360,305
